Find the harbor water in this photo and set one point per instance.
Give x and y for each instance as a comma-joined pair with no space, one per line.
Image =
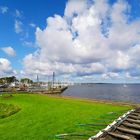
115,92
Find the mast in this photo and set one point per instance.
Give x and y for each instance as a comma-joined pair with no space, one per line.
37,80
53,78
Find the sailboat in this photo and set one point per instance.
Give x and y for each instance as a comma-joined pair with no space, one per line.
124,85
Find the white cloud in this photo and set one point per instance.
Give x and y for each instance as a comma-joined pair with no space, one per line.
18,13
112,75
5,67
3,9
119,61
18,26
32,25
91,38
29,44
9,51
75,7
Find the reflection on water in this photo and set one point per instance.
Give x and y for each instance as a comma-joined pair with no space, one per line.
117,92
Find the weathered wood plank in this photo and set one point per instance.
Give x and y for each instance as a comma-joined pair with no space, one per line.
133,121
120,136
130,131
134,117
132,125
136,114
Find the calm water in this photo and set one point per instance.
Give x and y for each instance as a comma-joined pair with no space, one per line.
116,92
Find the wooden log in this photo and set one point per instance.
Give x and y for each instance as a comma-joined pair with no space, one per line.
134,117
132,125
133,121
120,136
130,131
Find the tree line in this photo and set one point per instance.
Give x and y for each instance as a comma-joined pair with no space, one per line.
11,79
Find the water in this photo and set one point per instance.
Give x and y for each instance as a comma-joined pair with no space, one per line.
115,92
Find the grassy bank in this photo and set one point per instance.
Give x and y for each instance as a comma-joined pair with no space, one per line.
42,117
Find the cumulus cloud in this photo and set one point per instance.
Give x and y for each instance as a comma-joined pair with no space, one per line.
18,26
92,38
75,7
9,51
3,9
5,67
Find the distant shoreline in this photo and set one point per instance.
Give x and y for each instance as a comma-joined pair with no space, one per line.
104,101
112,102
95,100
106,83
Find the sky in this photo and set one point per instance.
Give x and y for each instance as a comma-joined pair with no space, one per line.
79,40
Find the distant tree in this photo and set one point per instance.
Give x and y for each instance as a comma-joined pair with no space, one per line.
26,80
11,79
8,80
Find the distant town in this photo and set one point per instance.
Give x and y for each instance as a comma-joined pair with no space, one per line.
12,84
26,84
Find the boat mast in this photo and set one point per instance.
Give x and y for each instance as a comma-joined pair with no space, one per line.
53,79
37,80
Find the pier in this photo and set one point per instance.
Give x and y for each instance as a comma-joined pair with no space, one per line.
57,90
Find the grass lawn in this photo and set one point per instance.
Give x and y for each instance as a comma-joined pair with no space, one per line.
42,117
7,110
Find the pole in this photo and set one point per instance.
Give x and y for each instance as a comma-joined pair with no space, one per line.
53,79
37,80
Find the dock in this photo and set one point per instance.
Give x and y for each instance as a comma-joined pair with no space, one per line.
55,90
126,127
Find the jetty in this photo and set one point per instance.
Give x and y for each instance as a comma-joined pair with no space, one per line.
57,90
126,127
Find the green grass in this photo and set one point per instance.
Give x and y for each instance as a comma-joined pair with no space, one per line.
7,110
42,117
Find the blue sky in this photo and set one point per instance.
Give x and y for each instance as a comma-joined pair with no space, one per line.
41,36
31,12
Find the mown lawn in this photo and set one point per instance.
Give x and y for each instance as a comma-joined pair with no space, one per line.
8,110
42,117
